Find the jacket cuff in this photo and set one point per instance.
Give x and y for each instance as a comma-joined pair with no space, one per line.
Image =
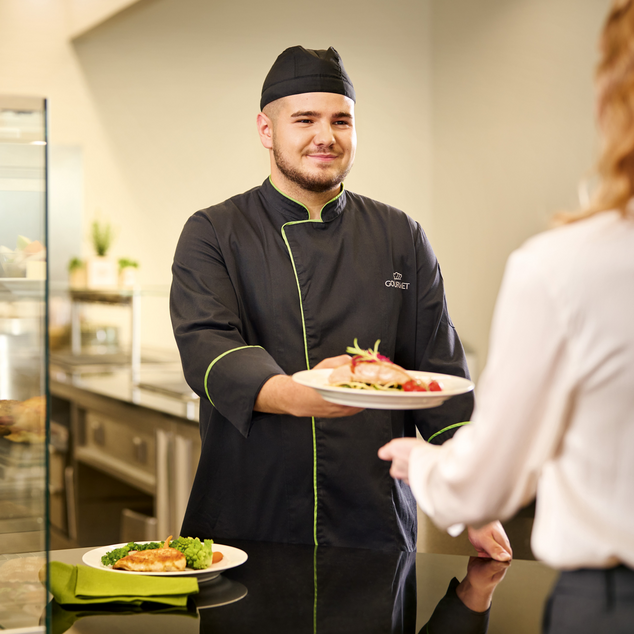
233,381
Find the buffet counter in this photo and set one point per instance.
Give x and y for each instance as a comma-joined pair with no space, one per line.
124,453
294,589
161,388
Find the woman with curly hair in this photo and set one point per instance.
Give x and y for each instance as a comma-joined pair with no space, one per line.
555,412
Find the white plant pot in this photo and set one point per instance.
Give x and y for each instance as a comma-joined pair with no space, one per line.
101,273
128,277
77,278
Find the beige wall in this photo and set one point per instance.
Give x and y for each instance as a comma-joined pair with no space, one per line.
163,99
513,133
176,84
474,116
37,58
83,15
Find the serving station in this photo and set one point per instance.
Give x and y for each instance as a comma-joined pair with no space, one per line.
131,455
124,423
302,589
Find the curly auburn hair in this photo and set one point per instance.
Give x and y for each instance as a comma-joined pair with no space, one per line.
615,114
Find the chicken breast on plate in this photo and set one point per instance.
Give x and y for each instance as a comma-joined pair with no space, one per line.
163,559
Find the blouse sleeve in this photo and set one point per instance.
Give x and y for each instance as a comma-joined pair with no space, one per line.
489,469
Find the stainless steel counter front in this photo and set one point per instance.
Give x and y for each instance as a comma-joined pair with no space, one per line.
130,457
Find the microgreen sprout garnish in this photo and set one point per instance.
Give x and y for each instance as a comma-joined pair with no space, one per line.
367,356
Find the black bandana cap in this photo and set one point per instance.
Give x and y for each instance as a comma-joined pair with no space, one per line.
299,70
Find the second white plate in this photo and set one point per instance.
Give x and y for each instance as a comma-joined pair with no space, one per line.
378,399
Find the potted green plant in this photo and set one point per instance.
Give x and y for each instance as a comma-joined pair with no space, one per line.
76,273
102,237
101,270
127,273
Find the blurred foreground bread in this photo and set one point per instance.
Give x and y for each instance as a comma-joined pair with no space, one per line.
6,416
23,421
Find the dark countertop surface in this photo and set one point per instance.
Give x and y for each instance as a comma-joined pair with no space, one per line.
302,589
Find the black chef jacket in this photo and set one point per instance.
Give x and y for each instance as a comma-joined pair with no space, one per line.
258,290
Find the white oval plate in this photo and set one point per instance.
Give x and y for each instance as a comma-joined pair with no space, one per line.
378,399
232,557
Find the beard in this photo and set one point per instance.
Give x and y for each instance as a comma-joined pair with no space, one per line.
317,183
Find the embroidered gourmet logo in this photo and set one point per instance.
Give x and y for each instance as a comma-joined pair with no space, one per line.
396,281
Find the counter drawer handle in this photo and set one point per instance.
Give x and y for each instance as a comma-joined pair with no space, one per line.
140,449
98,433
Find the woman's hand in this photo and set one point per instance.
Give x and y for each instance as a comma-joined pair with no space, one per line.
491,541
398,451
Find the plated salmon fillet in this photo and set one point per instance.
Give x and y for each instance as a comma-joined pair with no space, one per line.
368,369
371,372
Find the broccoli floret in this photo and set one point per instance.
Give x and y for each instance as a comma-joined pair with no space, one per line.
198,554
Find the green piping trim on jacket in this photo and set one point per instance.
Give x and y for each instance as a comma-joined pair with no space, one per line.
299,289
211,365
447,429
301,309
315,590
314,482
302,204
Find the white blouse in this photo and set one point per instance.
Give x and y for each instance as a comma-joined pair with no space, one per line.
555,406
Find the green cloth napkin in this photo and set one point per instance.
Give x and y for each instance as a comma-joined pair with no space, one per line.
81,585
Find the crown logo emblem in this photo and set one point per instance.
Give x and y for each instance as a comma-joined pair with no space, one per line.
396,282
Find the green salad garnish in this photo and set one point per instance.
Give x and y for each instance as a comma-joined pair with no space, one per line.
113,556
198,554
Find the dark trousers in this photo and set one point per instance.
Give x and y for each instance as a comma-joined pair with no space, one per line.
597,601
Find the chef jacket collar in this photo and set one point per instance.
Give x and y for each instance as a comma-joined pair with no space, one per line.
294,210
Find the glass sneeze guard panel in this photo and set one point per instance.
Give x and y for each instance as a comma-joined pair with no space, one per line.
24,451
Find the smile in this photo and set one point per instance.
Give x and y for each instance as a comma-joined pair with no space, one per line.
323,157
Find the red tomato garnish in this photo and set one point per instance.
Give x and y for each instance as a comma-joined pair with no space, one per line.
413,386
434,386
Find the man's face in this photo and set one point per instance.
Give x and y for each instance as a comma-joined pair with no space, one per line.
313,139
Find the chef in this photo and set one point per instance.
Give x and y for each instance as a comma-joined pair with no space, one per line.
283,278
